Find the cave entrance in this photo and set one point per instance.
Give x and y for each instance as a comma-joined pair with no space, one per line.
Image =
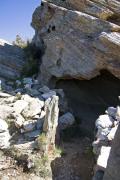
90,98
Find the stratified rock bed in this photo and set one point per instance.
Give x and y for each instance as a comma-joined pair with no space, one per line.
78,37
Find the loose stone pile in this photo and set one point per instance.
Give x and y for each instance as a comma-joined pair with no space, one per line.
32,110
107,126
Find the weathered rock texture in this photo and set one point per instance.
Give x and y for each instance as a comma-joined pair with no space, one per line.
113,169
11,60
78,45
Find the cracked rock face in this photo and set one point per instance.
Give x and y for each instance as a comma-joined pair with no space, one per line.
77,44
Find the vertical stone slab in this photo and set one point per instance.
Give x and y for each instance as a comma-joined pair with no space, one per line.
113,168
51,121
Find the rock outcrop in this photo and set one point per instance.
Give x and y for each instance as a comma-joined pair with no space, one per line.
78,44
11,60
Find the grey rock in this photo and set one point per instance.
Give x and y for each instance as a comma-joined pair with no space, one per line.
48,94
28,126
18,83
44,89
28,81
11,60
98,175
32,134
111,111
66,121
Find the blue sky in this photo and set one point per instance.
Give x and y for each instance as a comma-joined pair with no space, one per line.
15,18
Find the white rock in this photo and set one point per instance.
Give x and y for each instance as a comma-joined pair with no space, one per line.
103,157
42,115
27,86
118,113
5,111
48,95
20,105
4,95
66,120
19,120
104,121
27,98
4,140
44,89
3,126
33,108
10,99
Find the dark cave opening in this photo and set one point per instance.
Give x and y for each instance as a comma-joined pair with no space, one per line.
90,98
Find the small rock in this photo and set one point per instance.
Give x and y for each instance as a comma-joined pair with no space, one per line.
44,89
4,140
66,120
48,95
27,81
111,111
4,95
20,105
104,121
19,120
33,108
27,98
3,126
28,126
18,83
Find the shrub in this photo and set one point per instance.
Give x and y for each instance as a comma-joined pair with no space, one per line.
33,55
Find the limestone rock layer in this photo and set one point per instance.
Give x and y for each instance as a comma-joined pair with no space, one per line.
78,38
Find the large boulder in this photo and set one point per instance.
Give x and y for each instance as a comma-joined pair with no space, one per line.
77,45
11,60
